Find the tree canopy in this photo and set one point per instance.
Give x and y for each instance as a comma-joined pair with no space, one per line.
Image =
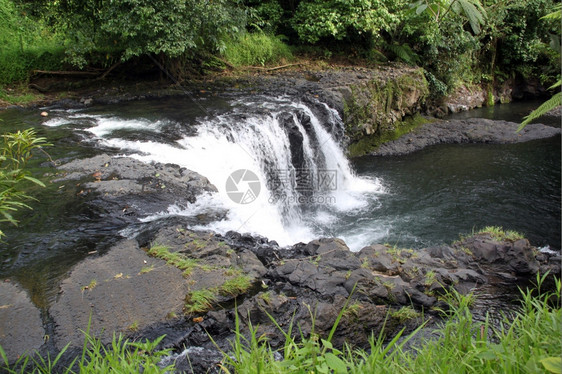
478,41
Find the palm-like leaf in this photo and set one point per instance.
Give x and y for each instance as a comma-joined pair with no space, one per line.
474,12
545,107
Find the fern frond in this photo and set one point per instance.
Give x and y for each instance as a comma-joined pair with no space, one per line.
404,53
556,15
557,84
545,107
474,15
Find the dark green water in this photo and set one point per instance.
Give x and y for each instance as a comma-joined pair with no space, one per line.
443,191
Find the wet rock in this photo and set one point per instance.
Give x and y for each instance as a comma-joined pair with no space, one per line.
211,251
377,105
292,286
379,259
122,291
477,130
21,327
195,360
122,189
295,140
463,99
511,256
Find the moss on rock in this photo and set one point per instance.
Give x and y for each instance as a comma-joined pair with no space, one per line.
367,143
375,110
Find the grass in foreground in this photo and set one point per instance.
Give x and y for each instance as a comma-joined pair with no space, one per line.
121,356
526,341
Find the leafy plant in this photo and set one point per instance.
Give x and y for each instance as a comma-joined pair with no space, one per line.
256,49
134,326
93,283
439,10
405,313
498,233
429,278
173,258
552,103
265,296
556,99
16,150
146,269
338,19
140,27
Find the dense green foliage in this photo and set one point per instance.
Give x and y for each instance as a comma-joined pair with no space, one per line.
556,99
455,41
26,43
337,19
256,49
135,27
15,152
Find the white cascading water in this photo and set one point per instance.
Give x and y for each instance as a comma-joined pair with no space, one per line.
251,137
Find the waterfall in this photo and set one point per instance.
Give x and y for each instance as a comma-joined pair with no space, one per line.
277,164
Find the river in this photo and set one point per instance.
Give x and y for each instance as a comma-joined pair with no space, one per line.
417,200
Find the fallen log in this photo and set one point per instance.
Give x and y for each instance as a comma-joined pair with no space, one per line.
56,72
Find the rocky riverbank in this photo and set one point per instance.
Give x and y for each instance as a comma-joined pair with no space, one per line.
138,292
477,130
376,104
189,285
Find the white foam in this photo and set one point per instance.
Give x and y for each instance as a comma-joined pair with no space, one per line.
105,126
56,122
546,249
257,143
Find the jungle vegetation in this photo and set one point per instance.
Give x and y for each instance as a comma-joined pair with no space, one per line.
484,42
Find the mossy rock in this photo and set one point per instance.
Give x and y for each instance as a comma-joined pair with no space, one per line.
378,107
368,143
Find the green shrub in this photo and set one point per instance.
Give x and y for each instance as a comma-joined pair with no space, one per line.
17,65
256,49
16,150
25,44
335,19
